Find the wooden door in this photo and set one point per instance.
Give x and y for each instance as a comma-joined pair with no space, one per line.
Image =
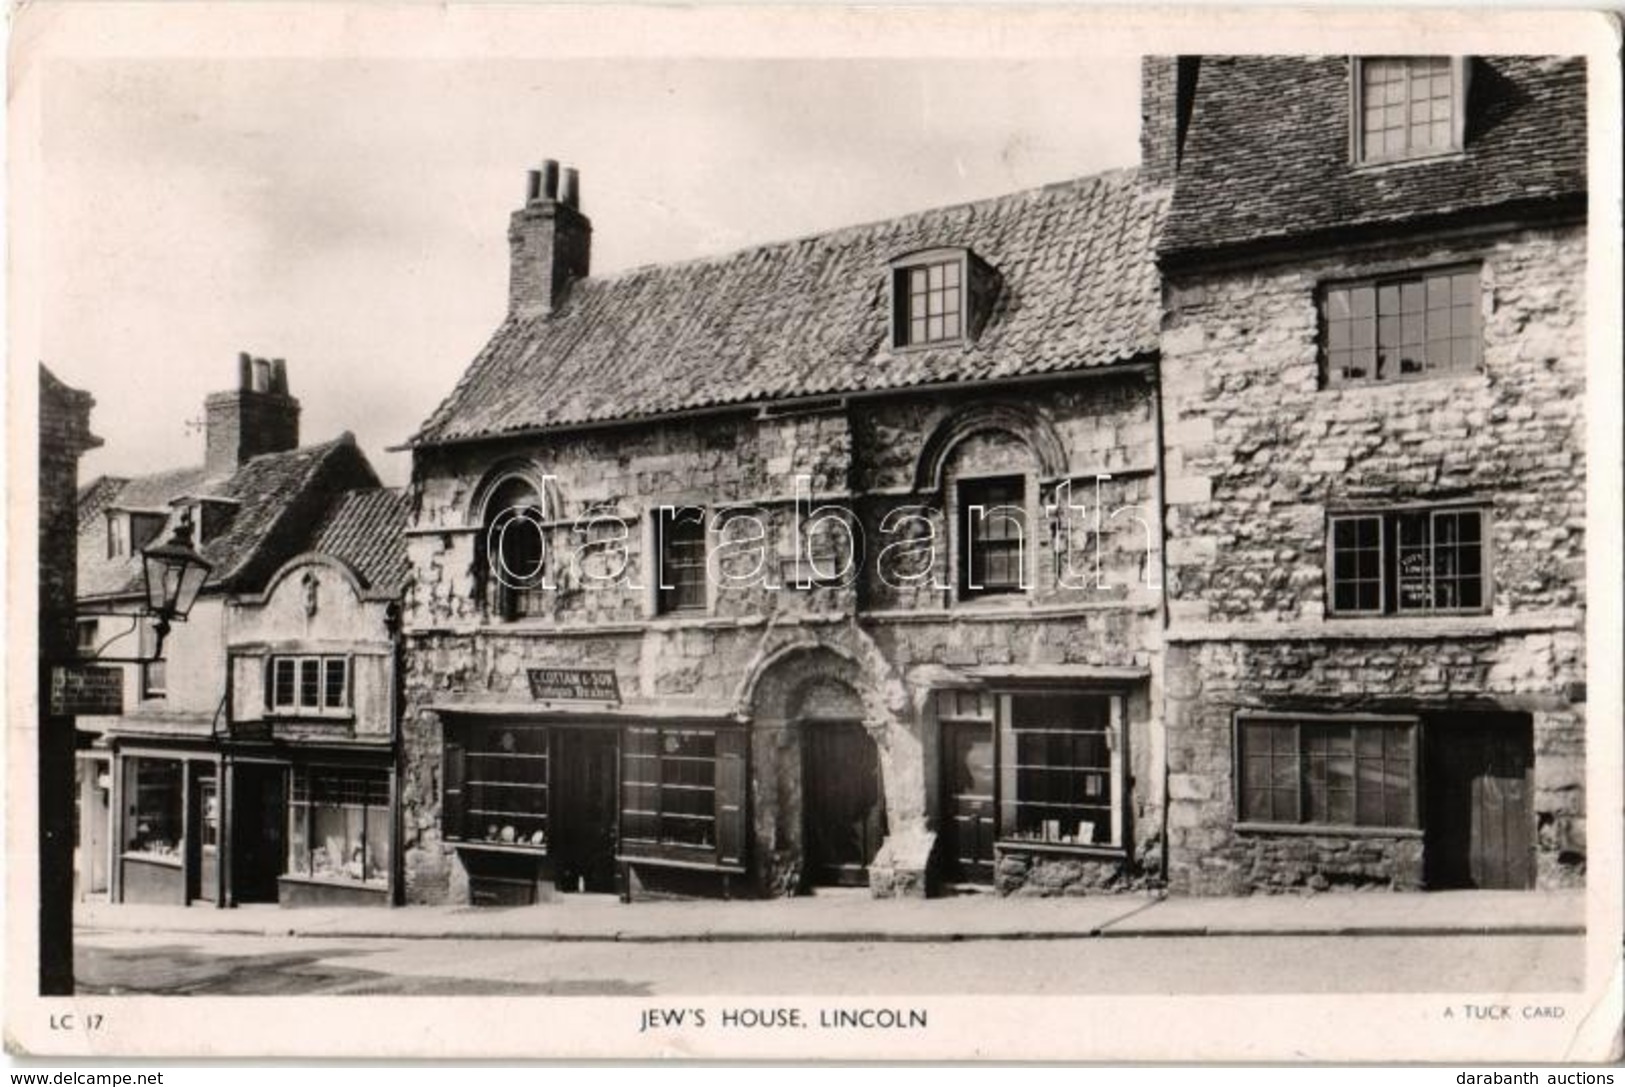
967,802
582,820
259,817
1480,829
843,804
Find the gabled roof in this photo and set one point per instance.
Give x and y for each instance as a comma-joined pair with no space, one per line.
367,530
280,495
1266,158
811,317
96,496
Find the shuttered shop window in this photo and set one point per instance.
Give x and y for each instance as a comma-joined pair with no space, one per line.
683,794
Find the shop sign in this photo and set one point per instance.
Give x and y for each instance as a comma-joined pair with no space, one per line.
91,690
574,685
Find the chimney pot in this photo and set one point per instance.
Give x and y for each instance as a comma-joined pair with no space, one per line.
257,417
570,190
550,179
533,187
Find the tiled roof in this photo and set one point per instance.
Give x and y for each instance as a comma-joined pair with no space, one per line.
1266,158
811,317
279,496
96,496
366,529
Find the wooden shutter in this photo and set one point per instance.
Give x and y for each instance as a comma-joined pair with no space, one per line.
732,786
451,790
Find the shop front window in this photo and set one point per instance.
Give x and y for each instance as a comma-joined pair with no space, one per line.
154,805
1058,769
683,793
496,784
339,825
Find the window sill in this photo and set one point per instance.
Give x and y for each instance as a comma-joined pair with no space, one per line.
499,847
152,858
1335,830
289,716
959,342
347,884
1404,381
669,862
1103,852
1397,162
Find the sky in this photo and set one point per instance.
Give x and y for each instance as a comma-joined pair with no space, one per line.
351,216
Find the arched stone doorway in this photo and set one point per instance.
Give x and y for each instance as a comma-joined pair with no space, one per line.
822,760
843,797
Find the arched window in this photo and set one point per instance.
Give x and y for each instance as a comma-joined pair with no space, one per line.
515,543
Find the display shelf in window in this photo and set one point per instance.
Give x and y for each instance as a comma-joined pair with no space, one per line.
1060,770
154,823
682,795
496,785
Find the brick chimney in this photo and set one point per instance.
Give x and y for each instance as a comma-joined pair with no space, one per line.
1167,90
258,417
549,242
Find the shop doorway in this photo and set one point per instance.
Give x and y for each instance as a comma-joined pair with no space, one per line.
967,802
1480,822
584,810
843,805
203,844
259,818
95,826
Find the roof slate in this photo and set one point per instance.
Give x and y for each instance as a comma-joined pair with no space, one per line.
811,317
1266,157
367,530
276,492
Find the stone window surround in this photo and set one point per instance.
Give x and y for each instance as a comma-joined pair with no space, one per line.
1460,70
1390,611
1244,826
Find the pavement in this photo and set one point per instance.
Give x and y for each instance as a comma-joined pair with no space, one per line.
852,916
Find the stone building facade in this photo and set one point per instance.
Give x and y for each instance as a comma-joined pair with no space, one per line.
830,562
1373,377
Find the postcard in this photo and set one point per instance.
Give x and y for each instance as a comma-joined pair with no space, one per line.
890,533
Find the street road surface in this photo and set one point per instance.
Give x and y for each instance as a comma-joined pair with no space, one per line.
176,964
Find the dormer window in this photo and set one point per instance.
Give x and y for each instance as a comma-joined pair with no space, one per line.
129,532
940,296
1408,107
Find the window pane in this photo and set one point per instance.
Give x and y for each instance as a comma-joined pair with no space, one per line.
154,822
283,684
310,683
334,686
992,530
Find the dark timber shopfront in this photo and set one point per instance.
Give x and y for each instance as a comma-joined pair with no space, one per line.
543,805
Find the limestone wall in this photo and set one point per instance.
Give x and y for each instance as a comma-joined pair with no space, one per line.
891,645
1258,451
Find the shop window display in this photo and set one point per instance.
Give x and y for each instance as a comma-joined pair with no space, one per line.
154,823
338,826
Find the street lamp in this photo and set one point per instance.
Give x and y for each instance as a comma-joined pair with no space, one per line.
174,573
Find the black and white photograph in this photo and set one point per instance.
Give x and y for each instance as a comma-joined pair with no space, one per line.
813,533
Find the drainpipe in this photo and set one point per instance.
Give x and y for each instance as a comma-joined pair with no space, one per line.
1159,673
397,862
